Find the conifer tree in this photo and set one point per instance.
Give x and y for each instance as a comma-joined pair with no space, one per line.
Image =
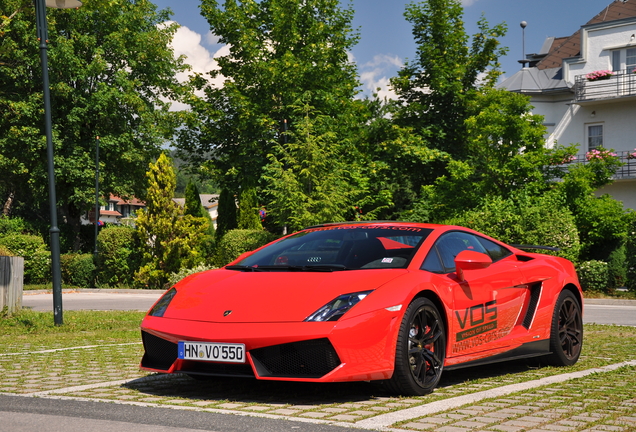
248,210
169,238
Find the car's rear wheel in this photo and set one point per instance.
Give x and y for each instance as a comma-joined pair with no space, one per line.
420,350
566,334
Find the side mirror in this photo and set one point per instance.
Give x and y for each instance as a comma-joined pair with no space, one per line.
470,260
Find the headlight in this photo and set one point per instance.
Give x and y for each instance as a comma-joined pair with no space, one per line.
160,307
336,308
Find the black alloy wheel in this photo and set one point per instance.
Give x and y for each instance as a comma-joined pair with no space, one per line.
566,335
420,350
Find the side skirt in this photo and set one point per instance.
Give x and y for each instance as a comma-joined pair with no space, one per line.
527,350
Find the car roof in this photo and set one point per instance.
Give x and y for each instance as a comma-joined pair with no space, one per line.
381,222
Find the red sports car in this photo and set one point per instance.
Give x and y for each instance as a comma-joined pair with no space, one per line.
391,301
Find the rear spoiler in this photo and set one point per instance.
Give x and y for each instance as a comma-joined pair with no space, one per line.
550,248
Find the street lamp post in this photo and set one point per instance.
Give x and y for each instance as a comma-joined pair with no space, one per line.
96,196
42,33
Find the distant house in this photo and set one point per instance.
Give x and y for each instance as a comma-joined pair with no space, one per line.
209,201
115,210
585,87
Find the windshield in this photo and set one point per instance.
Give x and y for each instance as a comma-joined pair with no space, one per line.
348,247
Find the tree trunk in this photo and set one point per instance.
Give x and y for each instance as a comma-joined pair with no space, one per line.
6,209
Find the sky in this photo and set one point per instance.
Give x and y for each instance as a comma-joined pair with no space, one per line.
385,35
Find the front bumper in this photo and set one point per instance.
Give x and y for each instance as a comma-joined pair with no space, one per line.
357,349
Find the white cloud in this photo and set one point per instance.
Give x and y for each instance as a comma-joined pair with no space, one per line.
468,2
375,75
188,43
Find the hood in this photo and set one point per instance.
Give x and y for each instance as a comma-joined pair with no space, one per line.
267,297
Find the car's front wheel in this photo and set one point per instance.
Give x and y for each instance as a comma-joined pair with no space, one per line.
566,334
420,350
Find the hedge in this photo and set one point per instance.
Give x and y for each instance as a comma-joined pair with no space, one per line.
118,256
238,241
37,259
78,269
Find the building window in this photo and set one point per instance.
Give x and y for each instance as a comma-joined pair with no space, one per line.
630,60
616,61
594,136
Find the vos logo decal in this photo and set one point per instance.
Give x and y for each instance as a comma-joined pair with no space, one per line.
481,318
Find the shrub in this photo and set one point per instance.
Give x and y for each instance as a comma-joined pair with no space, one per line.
14,225
37,259
541,220
4,251
236,242
594,276
617,268
118,256
77,269
185,272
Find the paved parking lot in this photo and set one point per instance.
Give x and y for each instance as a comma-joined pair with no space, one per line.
480,399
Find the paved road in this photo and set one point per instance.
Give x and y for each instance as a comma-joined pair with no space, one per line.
93,299
598,311
24,414
601,311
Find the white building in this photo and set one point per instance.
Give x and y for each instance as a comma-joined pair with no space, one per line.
585,111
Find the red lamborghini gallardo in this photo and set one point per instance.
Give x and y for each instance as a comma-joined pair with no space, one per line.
391,301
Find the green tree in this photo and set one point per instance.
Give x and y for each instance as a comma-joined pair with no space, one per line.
397,161
192,205
169,238
111,72
602,222
504,153
436,88
283,53
248,210
227,218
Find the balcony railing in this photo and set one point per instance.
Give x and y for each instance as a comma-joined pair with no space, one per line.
627,171
621,84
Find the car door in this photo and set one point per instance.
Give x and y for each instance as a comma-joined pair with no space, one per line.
485,305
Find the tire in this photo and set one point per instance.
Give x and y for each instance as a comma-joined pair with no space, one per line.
566,332
420,350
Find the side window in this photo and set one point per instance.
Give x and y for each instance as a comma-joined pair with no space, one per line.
432,262
451,244
495,251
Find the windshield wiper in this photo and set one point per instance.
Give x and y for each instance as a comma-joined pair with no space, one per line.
243,268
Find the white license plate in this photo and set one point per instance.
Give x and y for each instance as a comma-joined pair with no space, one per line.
213,352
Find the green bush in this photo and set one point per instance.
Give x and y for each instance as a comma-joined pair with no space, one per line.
77,269
185,272
617,268
603,225
118,256
37,259
14,225
527,220
238,241
594,276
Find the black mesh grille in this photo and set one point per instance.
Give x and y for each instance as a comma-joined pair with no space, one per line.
306,359
535,291
160,353
220,369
